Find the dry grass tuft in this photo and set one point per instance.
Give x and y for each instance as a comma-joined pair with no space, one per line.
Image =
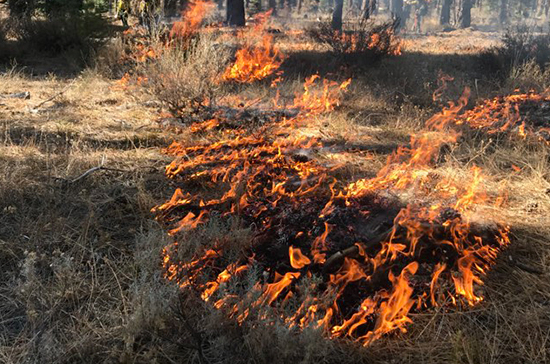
81,277
366,42
187,77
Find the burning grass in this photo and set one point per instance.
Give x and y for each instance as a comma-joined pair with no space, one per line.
285,218
524,115
258,57
341,257
366,41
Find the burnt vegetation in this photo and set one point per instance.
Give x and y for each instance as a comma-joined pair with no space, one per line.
274,182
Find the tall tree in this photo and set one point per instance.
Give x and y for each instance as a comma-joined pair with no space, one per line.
235,13
396,8
337,15
503,15
466,14
445,17
272,5
368,7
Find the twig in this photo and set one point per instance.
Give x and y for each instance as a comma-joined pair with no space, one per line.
101,167
335,261
197,337
525,267
54,96
87,173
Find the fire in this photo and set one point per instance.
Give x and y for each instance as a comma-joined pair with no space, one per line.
515,114
297,259
256,60
262,182
319,256
318,100
393,311
191,19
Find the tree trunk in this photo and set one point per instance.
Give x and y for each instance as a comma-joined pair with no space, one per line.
445,17
503,16
235,13
337,15
396,9
272,5
368,8
466,14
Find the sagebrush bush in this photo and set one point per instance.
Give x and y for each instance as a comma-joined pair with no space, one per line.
187,77
528,76
59,34
521,45
4,47
364,41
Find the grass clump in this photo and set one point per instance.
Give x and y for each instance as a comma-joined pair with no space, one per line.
187,79
521,45
362,42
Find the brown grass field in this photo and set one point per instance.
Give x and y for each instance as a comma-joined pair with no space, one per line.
81,277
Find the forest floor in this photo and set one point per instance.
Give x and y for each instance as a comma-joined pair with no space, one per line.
80,251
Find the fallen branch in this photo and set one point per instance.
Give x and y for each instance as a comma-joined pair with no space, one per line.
18,95
35,109
335,261
101,167
525,267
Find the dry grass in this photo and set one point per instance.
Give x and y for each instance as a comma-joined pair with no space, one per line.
186,78
81,279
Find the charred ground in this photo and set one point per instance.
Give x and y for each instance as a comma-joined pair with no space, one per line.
82,275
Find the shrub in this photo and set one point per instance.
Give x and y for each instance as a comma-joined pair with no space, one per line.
522,45
187,77
4,45
528,76
56,35
365,41
28,8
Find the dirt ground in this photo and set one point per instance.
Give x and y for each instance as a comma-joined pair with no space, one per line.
80,251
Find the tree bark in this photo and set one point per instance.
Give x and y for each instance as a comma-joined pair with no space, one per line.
503,16
368,8
337,15
466,14
235,13
272,5
445,17
396,8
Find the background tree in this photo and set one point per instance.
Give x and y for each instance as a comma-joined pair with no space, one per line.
368,8
503,15
465,19
445,17
396,9
235,13
337,15
272,5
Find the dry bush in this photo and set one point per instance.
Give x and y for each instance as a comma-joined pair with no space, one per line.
528,76
364,41
188,78
126,52
109,58
4,45
522,45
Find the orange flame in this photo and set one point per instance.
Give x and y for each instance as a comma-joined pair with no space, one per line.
255,62
191,19
297,259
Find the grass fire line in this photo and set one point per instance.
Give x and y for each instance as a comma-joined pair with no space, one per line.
350,258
